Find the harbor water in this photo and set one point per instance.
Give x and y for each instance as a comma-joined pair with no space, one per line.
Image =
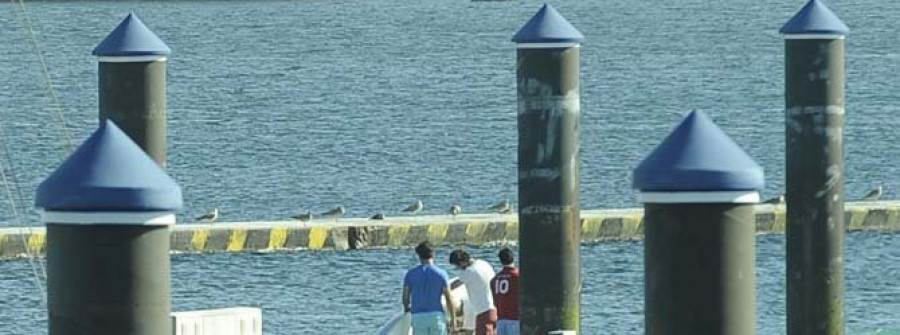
281,107
353,292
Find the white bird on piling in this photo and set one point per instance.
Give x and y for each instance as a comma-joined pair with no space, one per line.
335,212
874,195
502,207
209,217
455,210
415,207
776,200
303,217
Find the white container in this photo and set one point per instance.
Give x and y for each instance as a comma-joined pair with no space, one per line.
225,321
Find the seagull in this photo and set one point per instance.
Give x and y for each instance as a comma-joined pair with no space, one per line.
874,195
776,200
415,207
505,210
303,217
378,216
209,217
336,212
455,210
502,207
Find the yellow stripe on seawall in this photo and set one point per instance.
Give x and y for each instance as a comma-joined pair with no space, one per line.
237,240
780,221
277,238
437,232
631,226
475,232
590,229
397,235
317,236
198,240
36,243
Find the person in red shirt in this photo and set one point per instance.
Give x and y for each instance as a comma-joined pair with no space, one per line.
505,288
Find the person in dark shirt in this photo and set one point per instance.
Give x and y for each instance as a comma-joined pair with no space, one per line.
505,288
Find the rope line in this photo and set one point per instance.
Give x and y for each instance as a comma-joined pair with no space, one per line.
38,279
48,79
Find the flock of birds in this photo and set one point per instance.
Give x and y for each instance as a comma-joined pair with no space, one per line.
873,195
503,207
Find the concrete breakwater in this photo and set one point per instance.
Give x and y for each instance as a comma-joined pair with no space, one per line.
397,232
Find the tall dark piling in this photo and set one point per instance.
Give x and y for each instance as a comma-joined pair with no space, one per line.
699,189
132,84
814,123
108,209
547,74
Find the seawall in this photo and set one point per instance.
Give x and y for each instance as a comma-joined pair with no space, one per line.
398,232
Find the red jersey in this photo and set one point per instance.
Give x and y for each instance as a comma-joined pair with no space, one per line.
505,288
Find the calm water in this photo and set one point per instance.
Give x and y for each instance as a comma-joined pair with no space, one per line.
299,295
278,107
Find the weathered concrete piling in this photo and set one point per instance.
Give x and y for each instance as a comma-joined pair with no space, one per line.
699,189
547,75
108,209
814,125
132,84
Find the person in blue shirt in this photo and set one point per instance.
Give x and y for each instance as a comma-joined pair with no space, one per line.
423,287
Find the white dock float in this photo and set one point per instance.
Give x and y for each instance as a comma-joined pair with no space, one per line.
224,321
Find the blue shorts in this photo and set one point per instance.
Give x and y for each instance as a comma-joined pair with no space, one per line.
430,323
507,327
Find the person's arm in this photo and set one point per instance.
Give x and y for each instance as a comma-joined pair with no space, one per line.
450,308
406,306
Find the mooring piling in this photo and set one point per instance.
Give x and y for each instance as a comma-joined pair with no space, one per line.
547,74
699,189
108,209
814,177
132,84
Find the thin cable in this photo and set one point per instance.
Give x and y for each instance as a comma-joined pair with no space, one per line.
7,152
12,206
48,79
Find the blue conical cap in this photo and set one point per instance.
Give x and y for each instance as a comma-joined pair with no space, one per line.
548,26
131,38
698,156
815,18
109,172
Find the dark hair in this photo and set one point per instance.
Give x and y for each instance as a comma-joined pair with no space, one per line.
459,256
506,256
425,251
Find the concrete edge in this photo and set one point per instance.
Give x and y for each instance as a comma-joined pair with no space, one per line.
402,232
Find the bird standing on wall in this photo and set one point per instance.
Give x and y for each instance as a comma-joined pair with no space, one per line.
337,212
502,208
303,217
209,217
415,207
874,195
776,200
455,210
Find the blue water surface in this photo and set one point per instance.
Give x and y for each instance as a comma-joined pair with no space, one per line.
354,292
280,107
